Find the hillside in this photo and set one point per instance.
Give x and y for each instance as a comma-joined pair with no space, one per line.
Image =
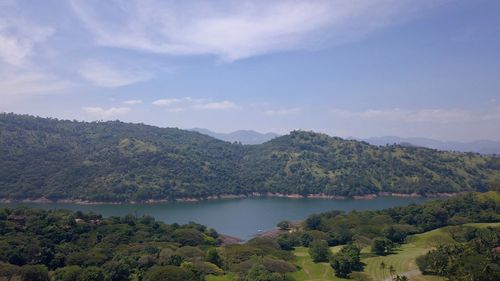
116,161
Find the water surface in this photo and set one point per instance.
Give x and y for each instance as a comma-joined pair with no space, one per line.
241,218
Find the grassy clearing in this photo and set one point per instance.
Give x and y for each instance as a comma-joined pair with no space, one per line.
311,271
403,260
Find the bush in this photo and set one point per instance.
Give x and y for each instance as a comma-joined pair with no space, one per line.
168,273
319,251
68,273
34,273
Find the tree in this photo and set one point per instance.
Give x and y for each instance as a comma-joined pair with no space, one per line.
258,272
118,271
168,273
188,236
34,273
319,251
67,273
91,273
346,260
283,225
382,246
214,257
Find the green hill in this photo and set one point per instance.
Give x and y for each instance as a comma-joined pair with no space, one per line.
116,161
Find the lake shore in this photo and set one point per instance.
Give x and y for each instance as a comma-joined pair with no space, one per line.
43,200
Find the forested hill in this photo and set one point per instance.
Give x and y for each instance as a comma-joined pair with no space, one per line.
116,161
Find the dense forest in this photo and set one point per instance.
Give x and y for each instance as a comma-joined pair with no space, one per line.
75,246
41,245
116,161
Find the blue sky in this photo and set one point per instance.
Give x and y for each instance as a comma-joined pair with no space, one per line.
346,68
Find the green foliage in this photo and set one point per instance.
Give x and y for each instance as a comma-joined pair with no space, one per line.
283,225
382,246
346,261
34,273
474,260
168,273
81,247
189,237
91,273
115,161
67,273
214,257
396,223
319,251
259,273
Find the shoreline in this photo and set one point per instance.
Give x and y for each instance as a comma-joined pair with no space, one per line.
44,200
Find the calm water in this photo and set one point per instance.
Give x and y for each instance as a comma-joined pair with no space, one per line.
241,218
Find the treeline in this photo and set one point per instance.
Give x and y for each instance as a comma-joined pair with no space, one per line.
383,231
116,161
40,245
474,254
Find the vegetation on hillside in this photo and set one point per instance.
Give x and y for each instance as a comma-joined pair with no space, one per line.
368,237
61,245
116,161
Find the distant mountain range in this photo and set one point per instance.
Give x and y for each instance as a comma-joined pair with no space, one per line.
479,146
243,136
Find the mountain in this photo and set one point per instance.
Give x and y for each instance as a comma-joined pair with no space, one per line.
479,146
116,161
243,136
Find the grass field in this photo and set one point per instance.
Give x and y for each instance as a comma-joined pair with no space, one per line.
403,260
311,271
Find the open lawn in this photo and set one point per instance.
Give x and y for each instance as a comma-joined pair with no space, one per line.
311,271
403,260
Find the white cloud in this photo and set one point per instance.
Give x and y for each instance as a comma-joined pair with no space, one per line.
165,102
197,104
106,113
132,102
282,111
109,76
235,30
18,39
222,105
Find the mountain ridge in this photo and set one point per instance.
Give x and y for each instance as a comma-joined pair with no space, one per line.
121,162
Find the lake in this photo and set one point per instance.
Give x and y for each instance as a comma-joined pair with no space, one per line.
242,218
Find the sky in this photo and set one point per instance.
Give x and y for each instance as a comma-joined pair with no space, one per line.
427,68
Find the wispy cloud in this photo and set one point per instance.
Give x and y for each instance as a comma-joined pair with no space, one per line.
18,39
109,76
197,104
221,105
235,30
282,111
165,102
132,102
106,113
